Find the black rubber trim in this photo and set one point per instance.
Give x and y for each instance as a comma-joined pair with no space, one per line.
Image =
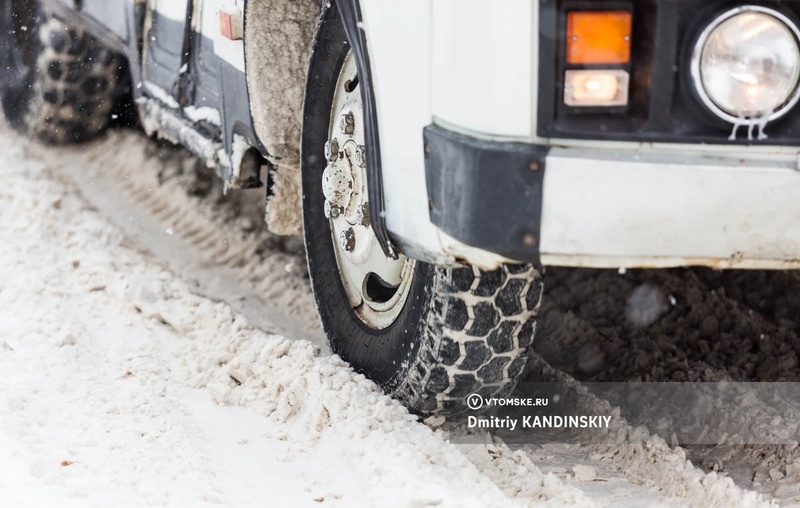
486,194
350,13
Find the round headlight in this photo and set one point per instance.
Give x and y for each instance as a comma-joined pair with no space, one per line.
746,65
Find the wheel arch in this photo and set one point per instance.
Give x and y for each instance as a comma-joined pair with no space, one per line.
279,38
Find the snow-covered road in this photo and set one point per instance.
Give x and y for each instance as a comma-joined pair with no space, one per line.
120,387
126,380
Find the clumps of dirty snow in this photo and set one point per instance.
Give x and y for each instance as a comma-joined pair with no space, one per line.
277,49
514,472
334,416
645,305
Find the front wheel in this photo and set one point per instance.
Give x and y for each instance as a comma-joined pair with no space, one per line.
429,336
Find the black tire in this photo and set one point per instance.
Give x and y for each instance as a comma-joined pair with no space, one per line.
461,330
58,82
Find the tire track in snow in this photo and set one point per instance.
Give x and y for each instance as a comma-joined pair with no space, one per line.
120,176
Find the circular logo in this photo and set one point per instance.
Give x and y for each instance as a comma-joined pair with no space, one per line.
475,401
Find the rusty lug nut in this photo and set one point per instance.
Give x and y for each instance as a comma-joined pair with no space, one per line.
347,239
331,150
362,214
361,156
529,240
347,123
332,211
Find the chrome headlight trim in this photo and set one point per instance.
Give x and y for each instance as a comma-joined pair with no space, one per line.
697,54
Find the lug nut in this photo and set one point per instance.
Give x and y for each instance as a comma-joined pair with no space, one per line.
347,239
361,156
331,150
362,214
347,123
332,211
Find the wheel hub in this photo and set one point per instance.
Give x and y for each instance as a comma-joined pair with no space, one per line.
376,286
339,178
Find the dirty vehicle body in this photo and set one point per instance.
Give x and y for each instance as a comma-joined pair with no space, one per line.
434,171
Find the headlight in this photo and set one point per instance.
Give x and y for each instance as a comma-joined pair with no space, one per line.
746,65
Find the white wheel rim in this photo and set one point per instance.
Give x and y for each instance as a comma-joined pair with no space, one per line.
376,286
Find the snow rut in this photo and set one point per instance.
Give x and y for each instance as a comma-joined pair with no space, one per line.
142,187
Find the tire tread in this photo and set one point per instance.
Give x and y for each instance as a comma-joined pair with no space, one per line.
73,88
490,356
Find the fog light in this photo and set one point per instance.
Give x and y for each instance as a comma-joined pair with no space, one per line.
746,65
596,88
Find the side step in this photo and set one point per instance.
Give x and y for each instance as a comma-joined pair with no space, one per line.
168,124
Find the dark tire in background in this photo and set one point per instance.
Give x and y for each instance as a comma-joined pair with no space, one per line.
58,83
453,331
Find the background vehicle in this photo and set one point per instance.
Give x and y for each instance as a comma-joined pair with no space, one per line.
434,172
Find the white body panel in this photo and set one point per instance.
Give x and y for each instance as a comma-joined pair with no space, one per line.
399,43
438,73
472,67
637,210
482,62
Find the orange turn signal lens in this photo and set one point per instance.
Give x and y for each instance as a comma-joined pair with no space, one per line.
598,37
